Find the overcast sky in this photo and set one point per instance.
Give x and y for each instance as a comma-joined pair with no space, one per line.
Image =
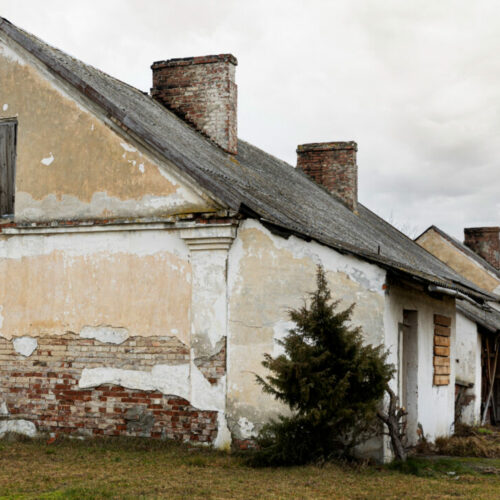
416,84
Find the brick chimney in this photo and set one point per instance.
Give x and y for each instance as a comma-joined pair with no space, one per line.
485,241
202,91
333,165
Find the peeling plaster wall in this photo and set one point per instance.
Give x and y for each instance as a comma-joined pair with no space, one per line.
79,386
436,410
268,275
71,162
460,262
468,367
100,331
139,281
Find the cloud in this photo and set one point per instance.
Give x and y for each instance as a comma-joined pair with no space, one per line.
414,83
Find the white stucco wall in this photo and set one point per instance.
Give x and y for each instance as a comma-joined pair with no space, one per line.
267,276
468,366
435,403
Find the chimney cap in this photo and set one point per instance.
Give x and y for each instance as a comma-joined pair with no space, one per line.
188,61
327,146
481,230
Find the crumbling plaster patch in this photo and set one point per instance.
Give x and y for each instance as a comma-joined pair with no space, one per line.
4,411
23,427
183,380
101,205
247,428
106,334
48,160
11,55
25,346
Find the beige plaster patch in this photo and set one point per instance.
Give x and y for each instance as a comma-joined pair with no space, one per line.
67,154
52,294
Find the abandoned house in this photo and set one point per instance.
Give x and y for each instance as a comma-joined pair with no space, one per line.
477,326
150,257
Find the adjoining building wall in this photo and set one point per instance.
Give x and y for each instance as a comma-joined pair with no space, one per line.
468,367
466,266
72,161
434,404
267,276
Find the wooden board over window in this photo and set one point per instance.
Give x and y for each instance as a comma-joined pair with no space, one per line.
8,130
442,335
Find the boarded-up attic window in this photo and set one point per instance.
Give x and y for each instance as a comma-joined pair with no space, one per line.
8,139
442,333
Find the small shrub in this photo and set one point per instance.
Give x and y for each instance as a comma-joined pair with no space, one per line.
332,382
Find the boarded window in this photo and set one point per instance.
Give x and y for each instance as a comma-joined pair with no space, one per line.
8,138
442,333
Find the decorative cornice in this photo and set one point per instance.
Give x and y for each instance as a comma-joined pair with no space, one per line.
216,237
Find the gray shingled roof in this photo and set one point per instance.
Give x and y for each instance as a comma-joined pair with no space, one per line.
254,182
464,249
488,318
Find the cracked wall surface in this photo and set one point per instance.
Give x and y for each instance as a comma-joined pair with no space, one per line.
71,163
268,275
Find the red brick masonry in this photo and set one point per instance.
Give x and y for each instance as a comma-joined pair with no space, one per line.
332,165
43,388
201,91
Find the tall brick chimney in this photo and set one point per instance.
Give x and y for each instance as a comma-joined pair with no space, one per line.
485,241
202,91
333,165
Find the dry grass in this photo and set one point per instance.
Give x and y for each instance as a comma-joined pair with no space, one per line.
145,469
470,442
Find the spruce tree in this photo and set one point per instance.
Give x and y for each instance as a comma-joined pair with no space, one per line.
332,382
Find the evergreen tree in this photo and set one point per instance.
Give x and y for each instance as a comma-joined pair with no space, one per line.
331,381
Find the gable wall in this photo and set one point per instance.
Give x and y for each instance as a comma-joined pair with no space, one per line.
457,260
71,163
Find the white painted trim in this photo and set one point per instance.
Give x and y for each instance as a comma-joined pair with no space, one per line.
209,237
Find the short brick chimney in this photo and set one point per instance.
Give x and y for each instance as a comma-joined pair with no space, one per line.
485,241
202,91
333,165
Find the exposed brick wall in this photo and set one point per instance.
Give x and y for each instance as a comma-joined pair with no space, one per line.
213,367
485,241
332,165
202,91
43,388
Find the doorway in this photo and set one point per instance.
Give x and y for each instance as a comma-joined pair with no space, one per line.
408,372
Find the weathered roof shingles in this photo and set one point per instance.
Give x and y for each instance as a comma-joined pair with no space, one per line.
253,180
